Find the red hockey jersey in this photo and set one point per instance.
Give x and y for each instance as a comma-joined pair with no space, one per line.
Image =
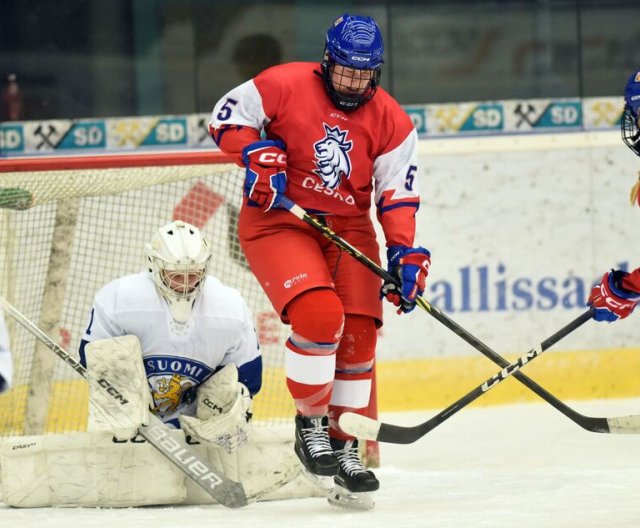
336,160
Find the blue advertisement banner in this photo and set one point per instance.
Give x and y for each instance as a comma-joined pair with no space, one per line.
190,131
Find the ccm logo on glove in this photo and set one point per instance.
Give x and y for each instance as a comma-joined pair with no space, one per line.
211,405
273,157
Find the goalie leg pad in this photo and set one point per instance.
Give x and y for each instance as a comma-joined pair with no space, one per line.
93,470
116,365
86,469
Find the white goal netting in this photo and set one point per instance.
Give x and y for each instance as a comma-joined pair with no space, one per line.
70,225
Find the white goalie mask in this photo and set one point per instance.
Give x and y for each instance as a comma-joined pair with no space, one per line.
178,259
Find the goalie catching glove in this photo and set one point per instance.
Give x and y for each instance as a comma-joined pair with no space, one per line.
223,411
411,266
265,178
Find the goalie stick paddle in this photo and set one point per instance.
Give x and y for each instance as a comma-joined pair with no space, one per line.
227,492
621,425
364,427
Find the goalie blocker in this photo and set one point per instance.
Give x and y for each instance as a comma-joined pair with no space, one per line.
111,466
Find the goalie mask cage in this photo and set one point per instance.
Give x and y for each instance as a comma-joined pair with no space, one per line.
69,225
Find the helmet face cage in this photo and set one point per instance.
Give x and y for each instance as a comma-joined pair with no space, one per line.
180,281
630,130
339,84
351,62
178,258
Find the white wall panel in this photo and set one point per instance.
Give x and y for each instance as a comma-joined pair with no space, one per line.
520,227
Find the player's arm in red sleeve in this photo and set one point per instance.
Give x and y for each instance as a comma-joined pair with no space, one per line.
240,116
396,184
631,282
232,139
397,200
237,120
236,124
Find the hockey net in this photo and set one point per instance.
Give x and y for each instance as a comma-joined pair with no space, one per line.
69,225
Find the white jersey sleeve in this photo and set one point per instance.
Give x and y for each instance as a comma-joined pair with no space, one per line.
392,169
246,353
242,106
397,196
243,349
246,348
6,362
102,323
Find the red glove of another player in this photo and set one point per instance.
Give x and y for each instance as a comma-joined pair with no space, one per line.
610,300
265,178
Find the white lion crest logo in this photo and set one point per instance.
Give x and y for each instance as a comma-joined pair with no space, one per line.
332,159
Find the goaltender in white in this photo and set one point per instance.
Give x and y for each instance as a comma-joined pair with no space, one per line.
183,345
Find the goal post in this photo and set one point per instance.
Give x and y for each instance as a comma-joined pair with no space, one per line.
70,224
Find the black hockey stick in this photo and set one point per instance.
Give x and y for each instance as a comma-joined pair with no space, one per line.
364,427
227,492
593,424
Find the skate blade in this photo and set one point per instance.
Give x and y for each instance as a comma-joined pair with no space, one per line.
323,484
343,498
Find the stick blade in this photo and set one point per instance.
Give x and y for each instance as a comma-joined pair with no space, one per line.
624,424
233,495
359,426
227,492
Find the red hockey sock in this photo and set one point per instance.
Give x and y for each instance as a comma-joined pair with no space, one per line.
354,370
317,320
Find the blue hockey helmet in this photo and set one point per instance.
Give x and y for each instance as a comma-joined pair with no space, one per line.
355,43
629,123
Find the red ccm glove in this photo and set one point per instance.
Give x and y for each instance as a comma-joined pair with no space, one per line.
610,300
265,177
411,266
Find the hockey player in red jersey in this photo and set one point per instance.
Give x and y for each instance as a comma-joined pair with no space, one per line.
617,294
331,138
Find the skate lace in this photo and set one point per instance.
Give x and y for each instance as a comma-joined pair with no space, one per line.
350,460
317,441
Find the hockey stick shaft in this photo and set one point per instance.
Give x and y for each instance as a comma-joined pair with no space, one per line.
227,492
364,427
593,424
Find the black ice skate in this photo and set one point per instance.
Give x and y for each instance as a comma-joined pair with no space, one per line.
352,474
312,445
353,483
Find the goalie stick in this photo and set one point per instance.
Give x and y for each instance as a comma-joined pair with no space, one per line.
622,425
226,491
